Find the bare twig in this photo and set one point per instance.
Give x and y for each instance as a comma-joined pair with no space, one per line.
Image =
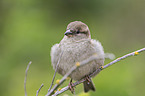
55,71
98,70
123,57
70,71
39,89
26,77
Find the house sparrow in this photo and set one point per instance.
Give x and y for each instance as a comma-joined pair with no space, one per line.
77,46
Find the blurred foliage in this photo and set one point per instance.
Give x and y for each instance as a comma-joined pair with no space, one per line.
28,29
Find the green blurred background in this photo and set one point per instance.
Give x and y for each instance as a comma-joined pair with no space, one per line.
29,28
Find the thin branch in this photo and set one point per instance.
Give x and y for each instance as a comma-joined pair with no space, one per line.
55,71
26,77
39,89
98,70
123,57
78,64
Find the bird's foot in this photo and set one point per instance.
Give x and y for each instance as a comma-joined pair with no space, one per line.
71,88
88,79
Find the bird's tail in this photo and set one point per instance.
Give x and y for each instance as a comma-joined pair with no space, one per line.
88,86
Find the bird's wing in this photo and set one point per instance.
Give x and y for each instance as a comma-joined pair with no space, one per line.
99,52
98,47
55,53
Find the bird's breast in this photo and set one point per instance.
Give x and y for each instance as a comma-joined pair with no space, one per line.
74,52
77,51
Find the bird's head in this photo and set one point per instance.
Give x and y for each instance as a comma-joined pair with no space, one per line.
77,30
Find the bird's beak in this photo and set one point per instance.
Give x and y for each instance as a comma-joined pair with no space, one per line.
68,33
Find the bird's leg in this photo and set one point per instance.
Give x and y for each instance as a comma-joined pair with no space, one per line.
88,79
71,88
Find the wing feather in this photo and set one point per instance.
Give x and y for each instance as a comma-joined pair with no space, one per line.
55,52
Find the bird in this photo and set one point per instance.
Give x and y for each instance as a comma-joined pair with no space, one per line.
77,46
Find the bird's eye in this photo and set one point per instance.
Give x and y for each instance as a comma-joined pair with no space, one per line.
78,32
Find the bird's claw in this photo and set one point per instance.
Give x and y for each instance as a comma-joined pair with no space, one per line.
88,79
71,88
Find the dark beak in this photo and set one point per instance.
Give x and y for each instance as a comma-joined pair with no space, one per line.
68,32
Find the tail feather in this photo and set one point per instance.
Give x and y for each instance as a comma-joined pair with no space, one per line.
88,86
